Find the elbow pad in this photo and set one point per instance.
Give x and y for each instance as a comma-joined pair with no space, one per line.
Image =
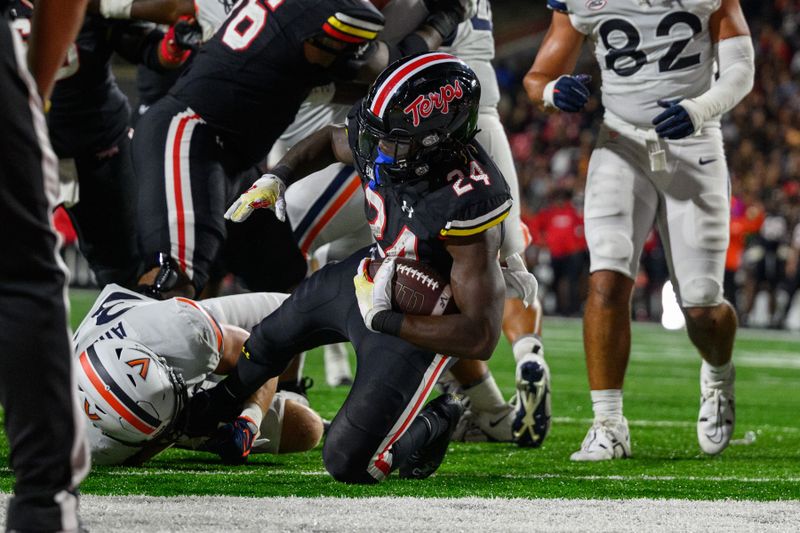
736,60
410,45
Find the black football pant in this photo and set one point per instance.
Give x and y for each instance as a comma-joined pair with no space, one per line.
49,455
105,216
186,182
377,428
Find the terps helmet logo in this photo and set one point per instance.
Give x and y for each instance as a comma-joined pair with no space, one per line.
423,106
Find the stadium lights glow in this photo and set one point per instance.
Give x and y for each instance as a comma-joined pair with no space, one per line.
672,318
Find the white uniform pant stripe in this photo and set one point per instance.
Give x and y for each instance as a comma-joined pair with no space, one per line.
381,462
177,185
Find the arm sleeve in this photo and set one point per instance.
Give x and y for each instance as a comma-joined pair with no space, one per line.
138,43
735,57
244,310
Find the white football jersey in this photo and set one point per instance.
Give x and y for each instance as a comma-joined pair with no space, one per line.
647,50
210,14
178,329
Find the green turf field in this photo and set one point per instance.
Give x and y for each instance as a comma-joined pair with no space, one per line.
661,399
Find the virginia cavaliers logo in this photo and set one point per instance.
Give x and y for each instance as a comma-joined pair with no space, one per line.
143,364
423,106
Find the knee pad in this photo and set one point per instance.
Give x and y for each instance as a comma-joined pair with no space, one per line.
344,466
701,292
610,249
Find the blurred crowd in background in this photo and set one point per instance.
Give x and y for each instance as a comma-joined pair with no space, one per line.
762,141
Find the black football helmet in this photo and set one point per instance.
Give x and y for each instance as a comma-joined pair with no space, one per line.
420,110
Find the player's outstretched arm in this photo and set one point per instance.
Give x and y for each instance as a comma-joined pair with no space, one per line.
548,82
736,61
317,151
479,292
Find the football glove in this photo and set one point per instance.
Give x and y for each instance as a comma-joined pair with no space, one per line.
233,441
519,282
268,191
674,122
374,295
568,93
179,41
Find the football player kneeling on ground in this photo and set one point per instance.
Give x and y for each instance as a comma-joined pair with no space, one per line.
433,194
140,360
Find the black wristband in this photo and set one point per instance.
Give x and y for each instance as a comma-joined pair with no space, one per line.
411,44
444,22
388,322
284,173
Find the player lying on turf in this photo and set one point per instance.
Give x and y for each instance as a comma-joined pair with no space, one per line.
432,194
139,360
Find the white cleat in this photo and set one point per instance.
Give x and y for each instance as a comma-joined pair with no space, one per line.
337,365
605,440
717,416
486,427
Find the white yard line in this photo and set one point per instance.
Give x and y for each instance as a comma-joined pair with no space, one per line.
214,514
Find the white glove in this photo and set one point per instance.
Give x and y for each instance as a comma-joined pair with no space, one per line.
267,191
376,295
321,94
519,282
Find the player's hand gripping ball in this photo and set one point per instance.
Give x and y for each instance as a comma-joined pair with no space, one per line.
401,285
267,192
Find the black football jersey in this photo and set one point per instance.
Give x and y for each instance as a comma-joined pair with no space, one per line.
249,80
457,199
89,111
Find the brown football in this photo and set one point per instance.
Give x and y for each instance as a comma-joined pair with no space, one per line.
418,289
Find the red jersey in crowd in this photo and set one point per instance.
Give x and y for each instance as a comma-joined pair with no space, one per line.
559,227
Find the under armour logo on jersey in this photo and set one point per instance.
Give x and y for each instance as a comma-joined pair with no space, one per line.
407,209
423,106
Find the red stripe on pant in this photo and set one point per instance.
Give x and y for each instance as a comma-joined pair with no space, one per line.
382,465
178,188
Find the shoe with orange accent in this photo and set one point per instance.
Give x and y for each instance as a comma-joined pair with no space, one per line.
233,441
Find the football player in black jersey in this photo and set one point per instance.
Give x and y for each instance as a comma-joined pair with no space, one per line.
89,121
433,194
239,94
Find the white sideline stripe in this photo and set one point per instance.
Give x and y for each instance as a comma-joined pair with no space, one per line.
670,424
219,513
268,472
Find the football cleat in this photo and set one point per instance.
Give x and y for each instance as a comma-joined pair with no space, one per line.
605,440
486,427
421,464
532,402
233,441
717,416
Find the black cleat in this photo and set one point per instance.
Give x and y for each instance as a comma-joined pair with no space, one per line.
421,464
